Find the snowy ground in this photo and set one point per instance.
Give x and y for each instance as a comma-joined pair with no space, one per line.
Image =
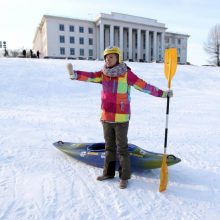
39,105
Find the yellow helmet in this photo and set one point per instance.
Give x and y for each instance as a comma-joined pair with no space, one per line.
113,49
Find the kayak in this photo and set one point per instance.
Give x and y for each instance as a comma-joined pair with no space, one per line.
94,154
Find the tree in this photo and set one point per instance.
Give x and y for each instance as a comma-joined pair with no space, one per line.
212,46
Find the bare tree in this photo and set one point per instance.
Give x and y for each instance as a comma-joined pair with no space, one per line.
212,46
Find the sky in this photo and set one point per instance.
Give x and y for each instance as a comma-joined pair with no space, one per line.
20,18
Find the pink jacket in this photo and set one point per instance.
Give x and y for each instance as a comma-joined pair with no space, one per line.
115,103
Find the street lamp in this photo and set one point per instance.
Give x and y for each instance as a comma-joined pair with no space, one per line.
4,45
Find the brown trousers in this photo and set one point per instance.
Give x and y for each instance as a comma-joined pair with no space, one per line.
116,141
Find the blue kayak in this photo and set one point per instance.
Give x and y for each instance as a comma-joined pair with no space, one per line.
94,154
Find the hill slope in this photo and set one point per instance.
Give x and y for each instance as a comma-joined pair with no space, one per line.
40,105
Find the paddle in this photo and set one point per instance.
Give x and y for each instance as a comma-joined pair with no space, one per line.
170,64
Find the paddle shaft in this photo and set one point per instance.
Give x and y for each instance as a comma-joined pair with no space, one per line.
168,105
166,126
169,70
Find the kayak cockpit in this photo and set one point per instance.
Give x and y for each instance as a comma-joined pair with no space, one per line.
100,147
97,147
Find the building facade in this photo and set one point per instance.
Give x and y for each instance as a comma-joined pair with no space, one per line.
139,39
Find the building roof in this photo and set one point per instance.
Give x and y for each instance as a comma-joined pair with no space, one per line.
176,34
130,19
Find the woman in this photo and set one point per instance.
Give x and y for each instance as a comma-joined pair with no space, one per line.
116,79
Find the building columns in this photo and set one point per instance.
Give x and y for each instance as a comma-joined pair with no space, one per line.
162,45
147,45
121,42
101,47
111,35
155,46
130,44
138,45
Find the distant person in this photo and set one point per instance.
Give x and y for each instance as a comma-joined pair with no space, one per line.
6,53
31,53
116,79
24,53
38,54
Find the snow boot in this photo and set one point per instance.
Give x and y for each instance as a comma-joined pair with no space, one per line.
123,184
104,177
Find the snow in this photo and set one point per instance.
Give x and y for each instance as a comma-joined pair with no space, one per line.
39,105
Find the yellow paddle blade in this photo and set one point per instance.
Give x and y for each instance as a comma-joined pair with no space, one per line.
170,64
163,174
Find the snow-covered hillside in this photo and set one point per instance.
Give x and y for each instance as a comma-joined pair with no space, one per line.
39,105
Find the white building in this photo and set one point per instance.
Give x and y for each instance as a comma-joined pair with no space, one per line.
178,41
140,39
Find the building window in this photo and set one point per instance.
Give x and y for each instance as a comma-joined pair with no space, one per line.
62,50
62,39
91,53
173,40
72,40
167,40
90,30
179,41
179,51
61,27
81,52
72,51
71,28
81,29
90,41
81,40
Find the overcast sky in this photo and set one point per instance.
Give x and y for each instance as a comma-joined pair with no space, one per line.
20,18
